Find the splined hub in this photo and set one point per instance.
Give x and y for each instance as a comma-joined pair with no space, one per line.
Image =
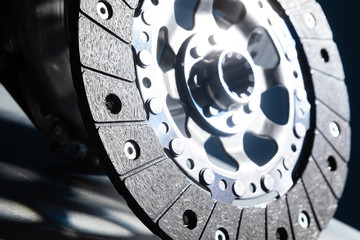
210,87
211,117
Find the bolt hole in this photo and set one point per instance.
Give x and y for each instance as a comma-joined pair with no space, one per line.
304,219
147,82
132,150
325,55
104,10
296,75
189,219
252,188
332,165
113,103
293,148
190,164
155,2
281,234
334,129
260,4
221,234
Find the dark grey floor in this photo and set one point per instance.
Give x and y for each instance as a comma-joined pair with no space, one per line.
45,197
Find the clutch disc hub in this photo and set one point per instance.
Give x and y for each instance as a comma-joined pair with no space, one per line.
210,84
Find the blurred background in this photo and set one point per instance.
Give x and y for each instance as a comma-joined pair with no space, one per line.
344,19
46,197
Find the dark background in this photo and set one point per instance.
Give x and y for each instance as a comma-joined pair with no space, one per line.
344,19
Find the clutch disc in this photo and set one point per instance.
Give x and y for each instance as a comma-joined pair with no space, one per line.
216,119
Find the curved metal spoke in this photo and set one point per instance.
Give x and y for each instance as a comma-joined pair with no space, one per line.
234,146
269,77
196,132
262,126
204,15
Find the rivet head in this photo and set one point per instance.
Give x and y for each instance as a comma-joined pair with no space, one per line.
148,17
145,58
210,111
334,129
208,176
267,183
104,10
131,150
303,220
155,106
310,20
300,130
238,188
177,146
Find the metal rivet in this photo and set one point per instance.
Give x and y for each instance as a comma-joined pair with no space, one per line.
287,163
222,185
220,235
300,130
148,17
304,220
208,176
177,146
334,129
238,188
291,54
253,106
145,58
198,51
104,10
310,20
267,183
210,111
131,150
301,95
144,37
301,113
234,120
155,106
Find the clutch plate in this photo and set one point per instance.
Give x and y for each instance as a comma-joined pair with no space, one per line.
215,119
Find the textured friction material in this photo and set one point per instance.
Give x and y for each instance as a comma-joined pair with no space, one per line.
193,199
121,21
324,117
99,86
298,202
157,186
114,138
321,29
278,217
332,92
314,49
322,151
131,3
225,217
322,199
252,225
104,52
